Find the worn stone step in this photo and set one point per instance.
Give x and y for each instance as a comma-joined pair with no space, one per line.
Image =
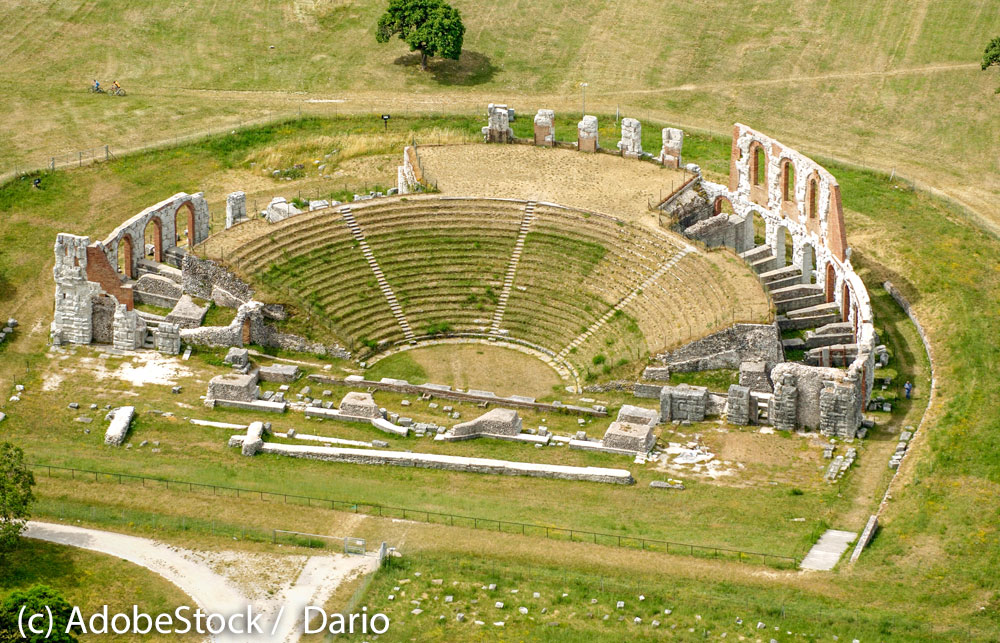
802,323
838,328
798,303
795,292
778,274
823,308
814,340
765,264
754,254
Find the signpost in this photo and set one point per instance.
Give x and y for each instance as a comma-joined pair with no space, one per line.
385,119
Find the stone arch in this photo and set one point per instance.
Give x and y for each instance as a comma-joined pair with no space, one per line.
812,197
831,283
156,238
126,256
723,205
758,165
189,224
787,181
245,331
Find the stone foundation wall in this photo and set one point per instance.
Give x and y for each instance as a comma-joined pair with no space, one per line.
727,349
203,277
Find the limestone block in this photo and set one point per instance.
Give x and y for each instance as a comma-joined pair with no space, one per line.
278,373
237,357
254,439
631,143
129,330
360,405
234,386
673,141
279,209
236,208
498,129
497,421
167,338
638,415
741,409
586,138
545,130
656,373
186,313
683,402
118,428
630,437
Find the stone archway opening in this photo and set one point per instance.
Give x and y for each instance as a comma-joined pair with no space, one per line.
723,206
845,304
787,181
126,262
185,223
831,283
153,236
758,165
812,197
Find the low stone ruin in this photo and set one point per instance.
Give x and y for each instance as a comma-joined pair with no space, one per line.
741,409
496,422
586,138
670,153
627,436
236,208
631,143
237,387
281,373
498,130
683,403
638,415
361,405
755,375
238,358
545,129
121,419
279,209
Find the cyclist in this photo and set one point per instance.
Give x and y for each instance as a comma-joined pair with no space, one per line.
97,85
116,86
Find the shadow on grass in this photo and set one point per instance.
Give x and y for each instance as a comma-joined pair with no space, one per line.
471,68
34,562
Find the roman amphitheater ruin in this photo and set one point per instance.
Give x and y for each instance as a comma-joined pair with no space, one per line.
541,261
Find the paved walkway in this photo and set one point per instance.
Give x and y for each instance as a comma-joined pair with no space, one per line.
828,549
190,572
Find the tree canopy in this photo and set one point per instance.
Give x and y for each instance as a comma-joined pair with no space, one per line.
992,56
35,600
16,481
431,27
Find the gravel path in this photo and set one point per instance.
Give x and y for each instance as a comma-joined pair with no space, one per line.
193,573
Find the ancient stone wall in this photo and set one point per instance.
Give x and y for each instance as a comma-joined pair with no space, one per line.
73,319
631,143
236,208
498,130
208,280
727,349
586,135
670,153
545,129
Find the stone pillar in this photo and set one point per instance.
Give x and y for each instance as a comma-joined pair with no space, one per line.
73,319
670,153
741,408
839,410
683,402
545,128
586,136
168,338
236,208
498,130
631,143
784,404
129,330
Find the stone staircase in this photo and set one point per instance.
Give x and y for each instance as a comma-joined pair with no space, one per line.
625,301
515,258
829,341
383,284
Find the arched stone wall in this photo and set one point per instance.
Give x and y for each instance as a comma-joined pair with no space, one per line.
163,212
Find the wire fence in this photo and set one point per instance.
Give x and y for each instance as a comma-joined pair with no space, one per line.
550,532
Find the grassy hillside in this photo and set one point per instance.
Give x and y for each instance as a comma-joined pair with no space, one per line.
895,84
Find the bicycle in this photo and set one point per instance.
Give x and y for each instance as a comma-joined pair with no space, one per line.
97,90
116,91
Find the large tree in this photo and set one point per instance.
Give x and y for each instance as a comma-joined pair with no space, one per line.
37,600
431,27
992,55
16,481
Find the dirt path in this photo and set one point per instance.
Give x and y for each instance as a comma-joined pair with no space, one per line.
247,578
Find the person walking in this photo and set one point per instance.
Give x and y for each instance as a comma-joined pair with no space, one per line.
908,389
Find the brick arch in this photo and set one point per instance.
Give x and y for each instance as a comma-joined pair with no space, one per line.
720,201
812,196
831,283
787,177
127,255
758,164
157,237
191,231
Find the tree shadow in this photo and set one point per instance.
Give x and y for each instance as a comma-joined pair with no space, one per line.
471,68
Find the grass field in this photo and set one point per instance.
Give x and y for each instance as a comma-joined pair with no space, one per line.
933,562
90,581
894,84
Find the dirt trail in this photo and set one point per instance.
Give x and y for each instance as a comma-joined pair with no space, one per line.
196,574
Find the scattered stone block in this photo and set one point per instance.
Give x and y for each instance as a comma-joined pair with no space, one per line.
279,373
120,422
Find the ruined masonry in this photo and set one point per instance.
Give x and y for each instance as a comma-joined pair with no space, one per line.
498,130
673,141
236,208
586,140
631,143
